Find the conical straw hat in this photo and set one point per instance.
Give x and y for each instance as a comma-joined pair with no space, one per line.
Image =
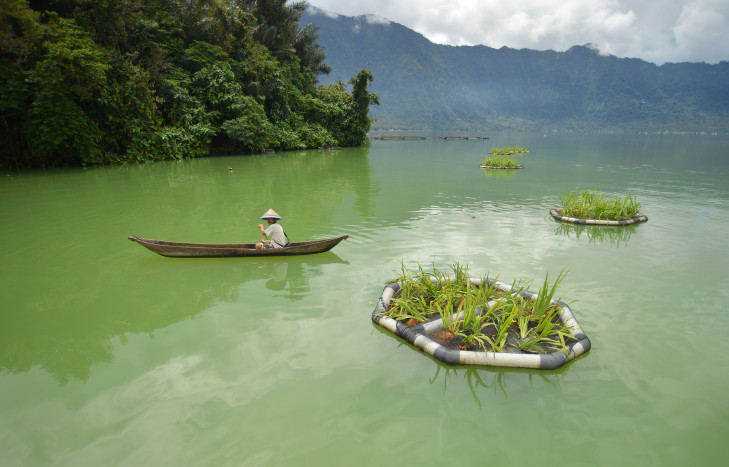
271,214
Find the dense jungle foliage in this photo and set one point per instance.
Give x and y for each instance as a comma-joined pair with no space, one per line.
117,81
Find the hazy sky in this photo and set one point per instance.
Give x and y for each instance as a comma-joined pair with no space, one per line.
657,31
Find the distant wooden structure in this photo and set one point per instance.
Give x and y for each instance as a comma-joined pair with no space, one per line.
421,138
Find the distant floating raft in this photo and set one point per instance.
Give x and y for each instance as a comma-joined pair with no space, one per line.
422,138
498,167
417,336
557,214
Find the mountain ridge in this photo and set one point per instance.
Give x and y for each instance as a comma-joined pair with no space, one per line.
423,85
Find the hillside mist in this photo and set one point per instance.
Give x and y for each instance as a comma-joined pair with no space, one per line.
428,86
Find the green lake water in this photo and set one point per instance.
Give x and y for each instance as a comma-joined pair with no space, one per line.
112,355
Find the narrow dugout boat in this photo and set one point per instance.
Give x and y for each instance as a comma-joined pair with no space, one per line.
218,250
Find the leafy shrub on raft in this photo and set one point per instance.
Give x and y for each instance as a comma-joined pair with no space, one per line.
593,205
500,161
482,315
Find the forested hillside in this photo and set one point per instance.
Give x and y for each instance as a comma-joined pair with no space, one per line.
116,81
422,85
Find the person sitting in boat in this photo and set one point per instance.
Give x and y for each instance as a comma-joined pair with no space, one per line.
274,234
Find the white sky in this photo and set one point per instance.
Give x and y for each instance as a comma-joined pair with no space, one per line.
657,31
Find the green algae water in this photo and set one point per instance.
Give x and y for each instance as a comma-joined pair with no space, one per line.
112,355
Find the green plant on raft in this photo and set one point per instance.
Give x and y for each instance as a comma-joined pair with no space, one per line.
473,329
471,320
501,325
468,306
413,299
510,150
451,296
444,304
500,161
460,274
404,308
479,313
546,293
550,331
535,343
523,318
593,205
477,295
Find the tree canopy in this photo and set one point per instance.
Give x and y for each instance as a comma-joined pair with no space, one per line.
117,81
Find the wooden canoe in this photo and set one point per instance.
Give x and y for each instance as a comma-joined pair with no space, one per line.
217,250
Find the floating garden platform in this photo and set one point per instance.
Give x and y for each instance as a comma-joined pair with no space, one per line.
470,321
592,208
496,167
557,214
503,158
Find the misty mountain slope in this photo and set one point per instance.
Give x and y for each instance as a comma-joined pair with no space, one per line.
430,86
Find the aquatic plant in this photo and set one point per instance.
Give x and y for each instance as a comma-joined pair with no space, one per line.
507,150
550,332
472,330
474,313
444,304
501,324
523,318
404,308
476,296
413,299
593,205
545,295
500,161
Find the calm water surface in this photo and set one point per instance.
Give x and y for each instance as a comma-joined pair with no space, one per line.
112,355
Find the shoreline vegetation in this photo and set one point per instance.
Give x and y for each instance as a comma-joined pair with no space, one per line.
593,205
106,83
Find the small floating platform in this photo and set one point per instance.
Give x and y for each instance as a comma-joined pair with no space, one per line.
423,138
420,334
557,214
498,167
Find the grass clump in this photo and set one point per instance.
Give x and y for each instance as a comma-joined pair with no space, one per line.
593,205
424,294
500,161
479,315
509,150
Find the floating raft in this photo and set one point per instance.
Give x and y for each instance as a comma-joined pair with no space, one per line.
497,167
416,335
557,214
423,138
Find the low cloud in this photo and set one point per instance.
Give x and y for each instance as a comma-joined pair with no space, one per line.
659,31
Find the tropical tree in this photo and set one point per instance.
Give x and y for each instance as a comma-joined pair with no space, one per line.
278,21
116,81
359,122
65,83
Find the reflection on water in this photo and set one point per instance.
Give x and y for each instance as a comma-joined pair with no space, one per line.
617,236
168,291
500,173
480,379
292,275
105,345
